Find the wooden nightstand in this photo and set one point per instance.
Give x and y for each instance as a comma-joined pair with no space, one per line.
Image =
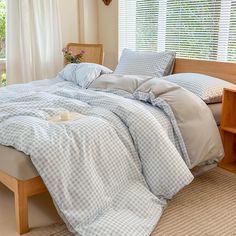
228,129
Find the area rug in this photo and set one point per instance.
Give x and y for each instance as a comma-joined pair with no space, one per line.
207,207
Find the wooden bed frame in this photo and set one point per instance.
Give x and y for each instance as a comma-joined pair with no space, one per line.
223,70
24,189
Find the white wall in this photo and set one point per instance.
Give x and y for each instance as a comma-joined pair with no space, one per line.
69,14
88,18
91,21
108,31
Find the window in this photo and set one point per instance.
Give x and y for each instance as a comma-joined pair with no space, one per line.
2,42
204,29
232,34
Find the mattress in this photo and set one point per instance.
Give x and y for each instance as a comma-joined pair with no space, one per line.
216,111
16,164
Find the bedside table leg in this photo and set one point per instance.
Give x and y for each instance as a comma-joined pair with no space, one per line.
21,209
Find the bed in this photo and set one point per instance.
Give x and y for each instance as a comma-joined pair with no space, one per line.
27,183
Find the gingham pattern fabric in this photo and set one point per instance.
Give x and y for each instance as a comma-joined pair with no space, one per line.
145,63
110,172
83,74
208,88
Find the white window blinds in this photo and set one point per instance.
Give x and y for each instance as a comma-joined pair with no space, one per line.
204,29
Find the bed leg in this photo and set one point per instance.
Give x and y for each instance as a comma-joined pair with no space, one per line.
21,208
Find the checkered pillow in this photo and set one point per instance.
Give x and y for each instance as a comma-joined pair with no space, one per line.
145,63
208,88
83,74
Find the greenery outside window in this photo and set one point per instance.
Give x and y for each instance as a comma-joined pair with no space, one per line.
203,29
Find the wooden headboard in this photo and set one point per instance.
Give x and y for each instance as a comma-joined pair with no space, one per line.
222,70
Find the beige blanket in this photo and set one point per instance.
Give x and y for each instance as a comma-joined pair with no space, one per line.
195,120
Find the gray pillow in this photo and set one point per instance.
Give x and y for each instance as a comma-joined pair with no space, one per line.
145,63
128,83
209,89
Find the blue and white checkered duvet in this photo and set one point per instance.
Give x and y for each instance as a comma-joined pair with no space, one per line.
110,172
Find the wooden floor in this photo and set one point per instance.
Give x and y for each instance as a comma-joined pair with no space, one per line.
41,212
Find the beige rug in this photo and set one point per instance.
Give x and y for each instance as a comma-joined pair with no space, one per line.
207,207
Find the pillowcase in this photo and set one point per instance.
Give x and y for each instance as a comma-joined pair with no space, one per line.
209,89
83,74
128,83
146,63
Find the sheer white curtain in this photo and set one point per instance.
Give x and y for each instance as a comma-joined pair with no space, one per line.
33,40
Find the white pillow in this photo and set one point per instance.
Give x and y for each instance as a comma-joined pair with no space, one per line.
146,63
83,74
209,89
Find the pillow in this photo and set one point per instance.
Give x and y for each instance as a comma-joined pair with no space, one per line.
83,74
209,89
146,63
128,83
